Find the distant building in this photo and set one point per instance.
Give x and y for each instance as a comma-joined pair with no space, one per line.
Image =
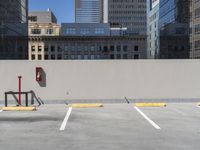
130,14
195,30
153,29
13,29
43,23
85,29
42,17
174,17
89,11
86,47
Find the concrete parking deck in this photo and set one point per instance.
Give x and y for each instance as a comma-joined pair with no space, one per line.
112,127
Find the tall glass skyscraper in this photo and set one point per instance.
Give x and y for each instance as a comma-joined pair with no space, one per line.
13,29
174,18
88,11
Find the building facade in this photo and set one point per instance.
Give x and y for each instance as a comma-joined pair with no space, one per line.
88,11
85,29
130,14
195,29
42,17
13,29
43,23
174,16
86,48
153,29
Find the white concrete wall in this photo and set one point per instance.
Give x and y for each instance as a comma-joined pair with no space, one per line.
146,79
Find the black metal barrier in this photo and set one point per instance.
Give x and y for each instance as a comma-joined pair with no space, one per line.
33,96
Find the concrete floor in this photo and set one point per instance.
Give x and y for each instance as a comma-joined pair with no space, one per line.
113,127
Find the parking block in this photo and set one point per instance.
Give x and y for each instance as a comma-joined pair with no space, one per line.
19,108
82,105
151,104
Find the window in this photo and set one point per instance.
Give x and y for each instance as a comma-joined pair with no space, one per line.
136,56
39,57
33,48
32,18
118,48
52,57
59,49
70,31
53,48
125,48
112,56
32,57
46,48
125,56
36,31
59,56
46,57
39,48
99,31
50,31
118,56
112,48
136,48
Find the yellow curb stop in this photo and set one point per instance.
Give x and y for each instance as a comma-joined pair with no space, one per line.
82,105
19,108
151,104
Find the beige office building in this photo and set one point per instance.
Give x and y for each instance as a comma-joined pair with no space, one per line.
195,29
86,48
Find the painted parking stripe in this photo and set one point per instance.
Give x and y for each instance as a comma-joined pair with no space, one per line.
63,125
148,119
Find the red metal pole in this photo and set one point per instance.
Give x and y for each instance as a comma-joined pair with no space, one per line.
19,87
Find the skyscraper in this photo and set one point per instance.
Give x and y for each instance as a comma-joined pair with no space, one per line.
174,17
13,29
152,29
128,13
88,11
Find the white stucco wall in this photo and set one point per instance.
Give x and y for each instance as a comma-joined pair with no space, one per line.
145,79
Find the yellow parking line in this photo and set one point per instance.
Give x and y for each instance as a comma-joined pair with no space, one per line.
19,108
150,104
88,105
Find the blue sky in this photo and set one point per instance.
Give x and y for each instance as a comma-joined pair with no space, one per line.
63,9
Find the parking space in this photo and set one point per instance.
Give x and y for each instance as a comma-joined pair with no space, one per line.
112,127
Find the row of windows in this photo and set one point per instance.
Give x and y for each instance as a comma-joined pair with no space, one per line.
52,48
39,31
85,31
81,57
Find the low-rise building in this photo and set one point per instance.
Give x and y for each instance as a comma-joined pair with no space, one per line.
86,47
43,23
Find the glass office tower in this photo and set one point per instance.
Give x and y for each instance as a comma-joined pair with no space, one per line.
88,11
152,29
174,19
13,29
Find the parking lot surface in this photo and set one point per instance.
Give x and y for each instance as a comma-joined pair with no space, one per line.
112,127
